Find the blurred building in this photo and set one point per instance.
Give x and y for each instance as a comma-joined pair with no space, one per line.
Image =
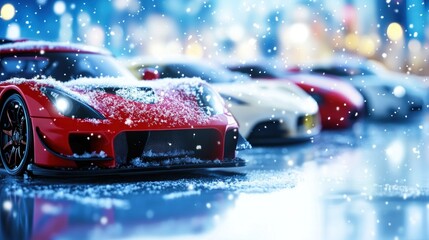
296,31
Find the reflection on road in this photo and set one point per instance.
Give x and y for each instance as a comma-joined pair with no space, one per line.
369,182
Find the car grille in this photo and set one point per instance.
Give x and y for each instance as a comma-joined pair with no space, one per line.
268,130
205,144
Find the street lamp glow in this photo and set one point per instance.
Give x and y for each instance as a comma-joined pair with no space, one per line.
195,50
299,33
13,31
367,46
59,7
7,12
352,41
394,31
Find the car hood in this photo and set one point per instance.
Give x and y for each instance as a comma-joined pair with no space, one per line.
166,103
410,82
390,81
287,97
330,85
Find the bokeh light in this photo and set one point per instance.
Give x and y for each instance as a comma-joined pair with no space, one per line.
95,36
236,32
66,33
120,5
414,45
195,50
13,31
7,12
129,5
367,46
394,31
41,2
298,33
352,41
59,7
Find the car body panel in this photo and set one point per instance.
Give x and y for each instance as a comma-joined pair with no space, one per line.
143,125
340,104
257,106
387,94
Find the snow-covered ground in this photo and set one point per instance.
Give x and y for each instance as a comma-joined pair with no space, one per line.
369,182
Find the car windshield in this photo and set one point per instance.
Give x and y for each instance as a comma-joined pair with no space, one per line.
256,71
347,71
205,72
62,66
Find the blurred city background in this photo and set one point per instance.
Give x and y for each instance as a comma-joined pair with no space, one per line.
365,182
395,32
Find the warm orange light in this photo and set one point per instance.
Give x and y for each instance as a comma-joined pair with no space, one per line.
394,31
195,50
352,41
367,46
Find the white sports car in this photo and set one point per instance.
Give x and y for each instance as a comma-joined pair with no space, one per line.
267,112
387,94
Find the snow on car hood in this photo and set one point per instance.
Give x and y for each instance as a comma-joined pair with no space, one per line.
163,102
287,97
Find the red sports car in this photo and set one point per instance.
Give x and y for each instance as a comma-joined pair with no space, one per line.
340,104
71,109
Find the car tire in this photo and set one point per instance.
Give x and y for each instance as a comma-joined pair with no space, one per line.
16,136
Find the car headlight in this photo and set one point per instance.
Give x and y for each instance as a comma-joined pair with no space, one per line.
399,91
68,106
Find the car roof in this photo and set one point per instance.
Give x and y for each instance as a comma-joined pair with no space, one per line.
24,46
180,59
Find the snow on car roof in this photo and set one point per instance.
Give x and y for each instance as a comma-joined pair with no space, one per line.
45,46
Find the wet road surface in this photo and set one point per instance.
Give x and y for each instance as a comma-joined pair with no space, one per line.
369,182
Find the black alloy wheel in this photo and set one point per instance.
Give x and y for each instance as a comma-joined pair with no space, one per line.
16,139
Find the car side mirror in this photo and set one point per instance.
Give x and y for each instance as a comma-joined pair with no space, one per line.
149,74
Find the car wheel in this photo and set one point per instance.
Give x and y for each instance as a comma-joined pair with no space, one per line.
16,138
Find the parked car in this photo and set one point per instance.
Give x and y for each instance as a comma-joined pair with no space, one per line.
387,95
74,110
340,104
266,112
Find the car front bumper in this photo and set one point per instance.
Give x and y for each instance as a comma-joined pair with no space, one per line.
66,143
132,170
